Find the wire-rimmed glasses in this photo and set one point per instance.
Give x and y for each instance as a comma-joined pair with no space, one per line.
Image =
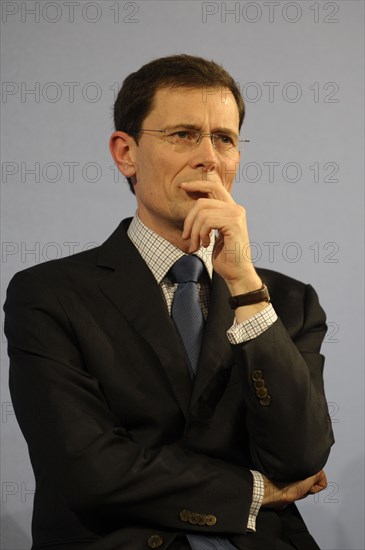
185,139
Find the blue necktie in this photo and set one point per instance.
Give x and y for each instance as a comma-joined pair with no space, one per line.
186,310
189,320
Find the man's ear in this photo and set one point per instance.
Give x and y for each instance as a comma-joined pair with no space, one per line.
121,146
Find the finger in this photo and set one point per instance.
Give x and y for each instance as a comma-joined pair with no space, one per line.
201,233
203,223
218,245
190,218
320,483
200,230
315,489
231,215
214,189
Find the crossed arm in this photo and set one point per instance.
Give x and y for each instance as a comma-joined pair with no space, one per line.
103,473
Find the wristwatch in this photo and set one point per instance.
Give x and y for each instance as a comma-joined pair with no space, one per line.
249,298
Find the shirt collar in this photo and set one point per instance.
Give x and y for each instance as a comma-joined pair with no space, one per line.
159,254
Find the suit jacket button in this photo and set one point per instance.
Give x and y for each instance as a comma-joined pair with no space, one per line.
194,518
262,392
265,401
259,383
256,375
184,515
210,520
202,519
155,541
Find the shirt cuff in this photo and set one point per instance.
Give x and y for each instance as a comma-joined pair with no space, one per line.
252,327
257,497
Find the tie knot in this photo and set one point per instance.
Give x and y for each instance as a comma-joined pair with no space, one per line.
186,269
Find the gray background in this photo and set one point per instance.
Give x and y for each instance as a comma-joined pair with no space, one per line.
300,67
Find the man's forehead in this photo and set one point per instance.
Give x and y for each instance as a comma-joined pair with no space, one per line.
203,93
196,100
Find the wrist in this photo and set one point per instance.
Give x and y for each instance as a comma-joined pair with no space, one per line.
274,495
244,313
257,296
244,285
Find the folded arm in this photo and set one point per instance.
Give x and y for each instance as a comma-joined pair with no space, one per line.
287,413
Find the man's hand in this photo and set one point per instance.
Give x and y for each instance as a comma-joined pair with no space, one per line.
231,253
278,495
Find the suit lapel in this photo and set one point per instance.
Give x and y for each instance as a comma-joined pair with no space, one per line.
134,291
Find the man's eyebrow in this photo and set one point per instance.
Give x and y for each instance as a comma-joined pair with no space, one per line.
217,130
185,125
224,130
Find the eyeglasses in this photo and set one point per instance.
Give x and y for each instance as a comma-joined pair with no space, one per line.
185,140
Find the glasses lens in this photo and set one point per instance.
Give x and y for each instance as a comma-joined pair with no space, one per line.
223,142
183,140
186,139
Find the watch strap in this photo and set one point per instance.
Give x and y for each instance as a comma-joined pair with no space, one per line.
249,298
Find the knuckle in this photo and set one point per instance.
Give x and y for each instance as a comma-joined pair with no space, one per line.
241,210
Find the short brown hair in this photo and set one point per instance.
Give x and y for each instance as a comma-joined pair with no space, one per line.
135,98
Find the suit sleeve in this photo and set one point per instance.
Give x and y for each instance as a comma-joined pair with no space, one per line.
72,434
287,413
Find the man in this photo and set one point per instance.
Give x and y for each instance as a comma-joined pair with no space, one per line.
167,413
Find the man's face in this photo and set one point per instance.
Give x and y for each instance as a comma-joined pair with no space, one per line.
160,169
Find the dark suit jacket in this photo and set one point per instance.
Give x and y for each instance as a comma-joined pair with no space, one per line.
120,440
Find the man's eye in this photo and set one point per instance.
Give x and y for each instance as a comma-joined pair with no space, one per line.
224,139
182,135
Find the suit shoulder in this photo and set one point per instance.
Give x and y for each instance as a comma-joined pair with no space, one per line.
74,272
293,300
81,262
276,281
57,275
46,269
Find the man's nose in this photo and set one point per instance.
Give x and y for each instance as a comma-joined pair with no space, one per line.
204,153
